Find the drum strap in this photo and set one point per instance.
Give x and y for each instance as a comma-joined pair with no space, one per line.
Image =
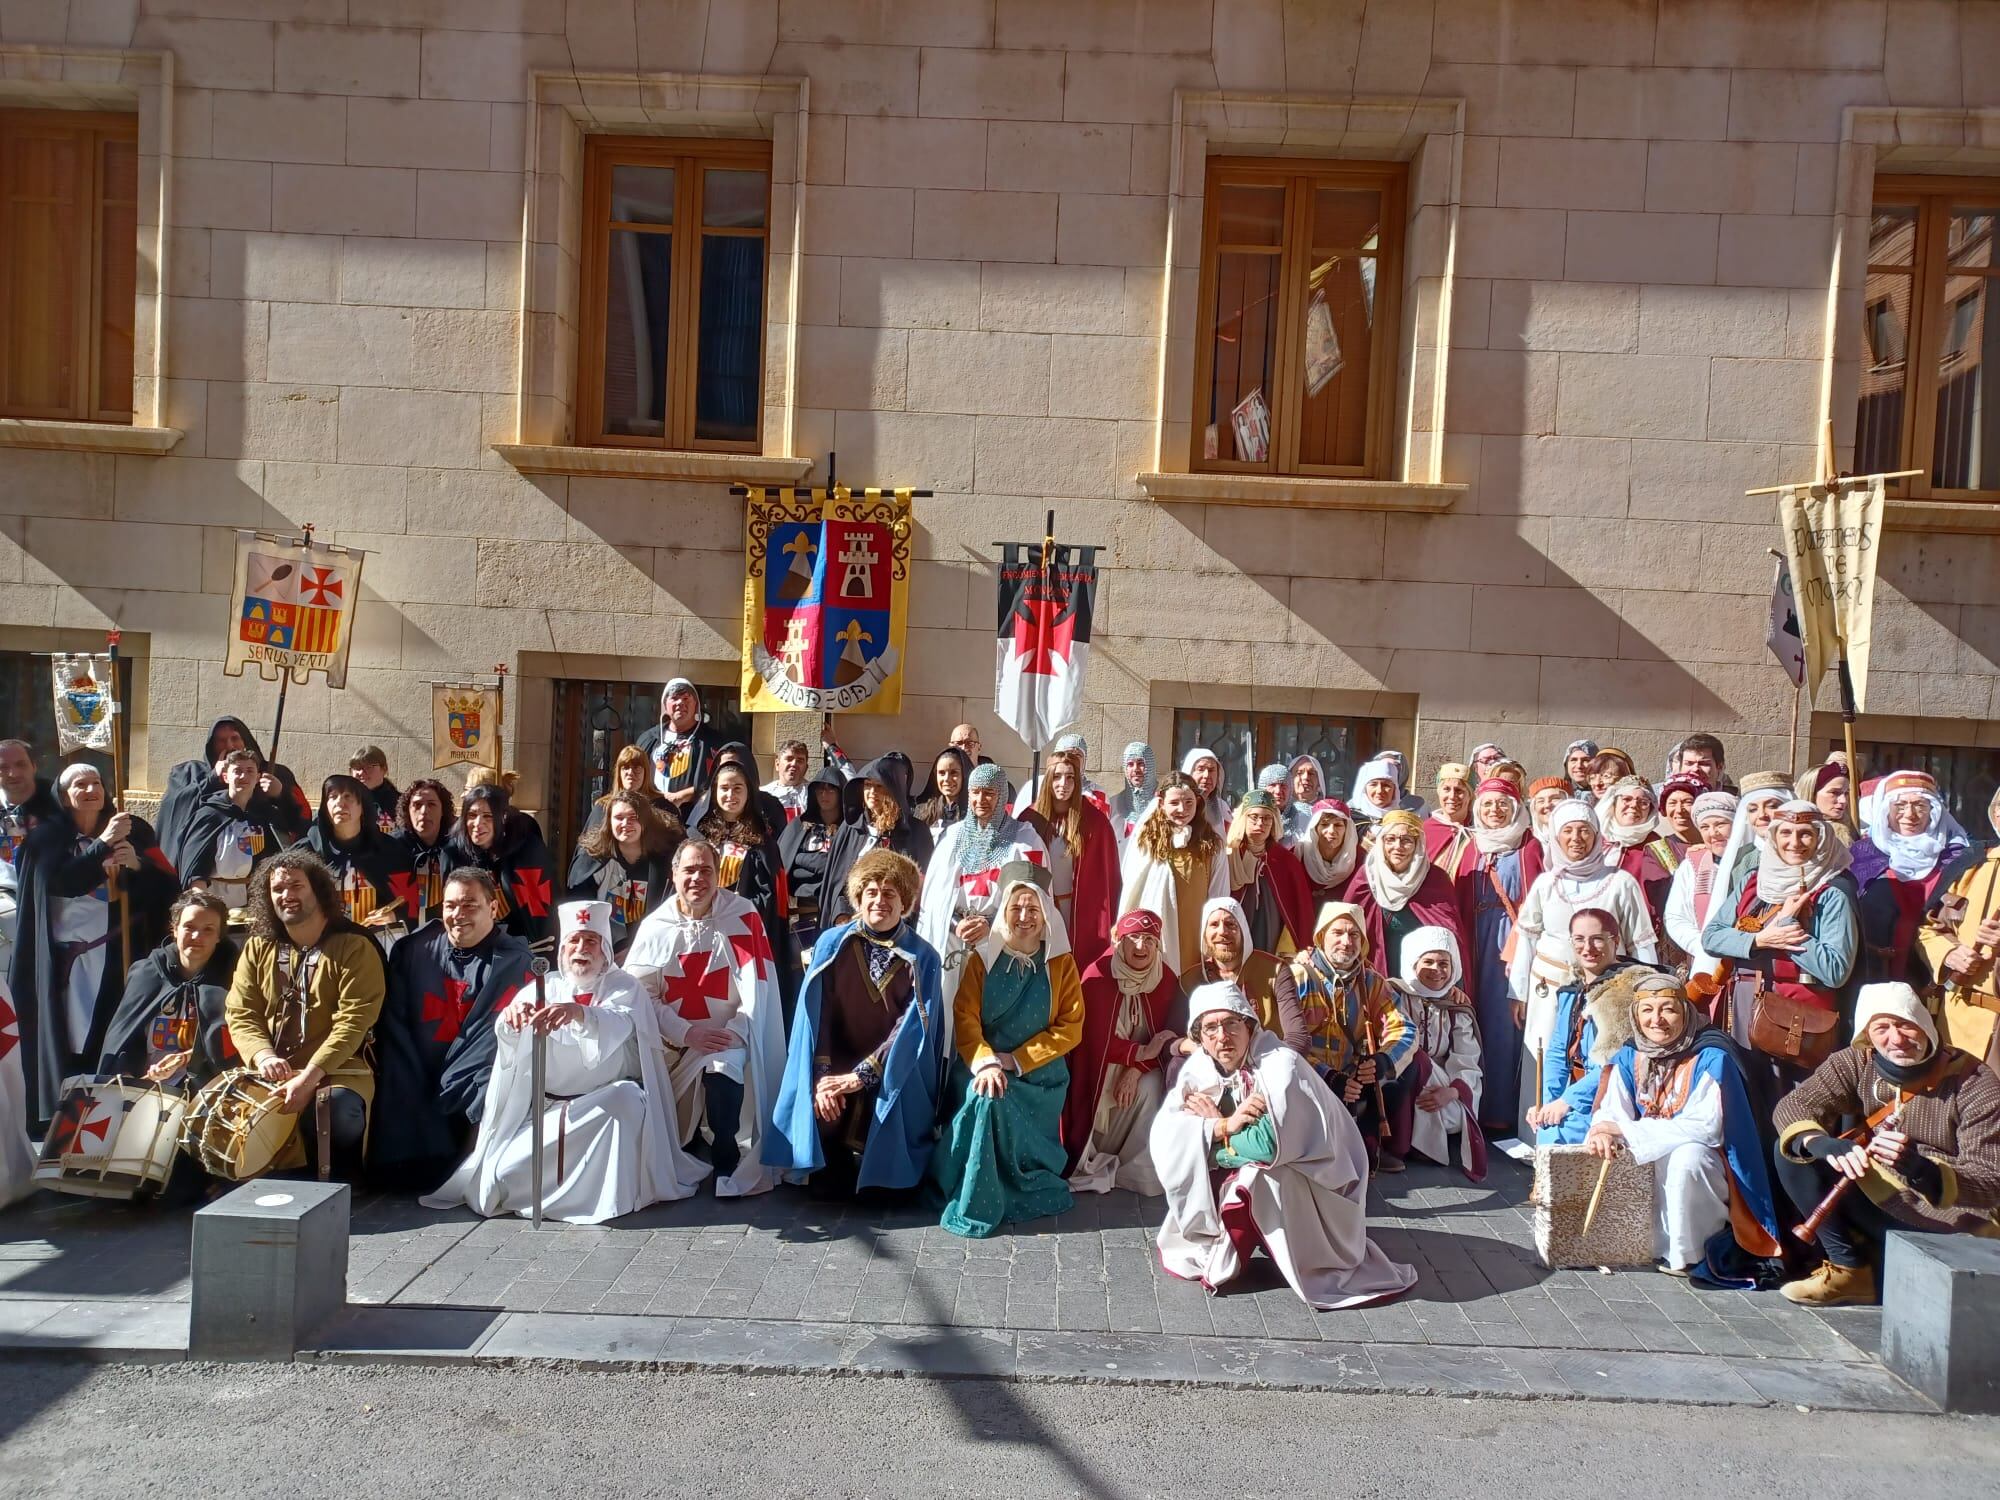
323,1129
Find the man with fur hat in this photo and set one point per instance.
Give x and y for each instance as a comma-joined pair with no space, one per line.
858,1105
609,1145
1254,1152
1927,1159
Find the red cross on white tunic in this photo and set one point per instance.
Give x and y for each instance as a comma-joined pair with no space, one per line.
690,991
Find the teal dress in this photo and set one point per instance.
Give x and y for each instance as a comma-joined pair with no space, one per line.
1002,1159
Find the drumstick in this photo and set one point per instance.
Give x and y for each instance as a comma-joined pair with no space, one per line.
1596,1194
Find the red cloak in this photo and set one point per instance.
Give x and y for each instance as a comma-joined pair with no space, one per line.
1093,1056
1293,889
1096,881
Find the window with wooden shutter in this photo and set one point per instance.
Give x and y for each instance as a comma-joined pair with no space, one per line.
671,346
1296,360
68,264
1932,279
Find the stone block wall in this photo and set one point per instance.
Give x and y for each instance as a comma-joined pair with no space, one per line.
1639,213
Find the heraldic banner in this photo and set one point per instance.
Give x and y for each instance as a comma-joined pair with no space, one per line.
86,690
1832,544
1043,641
294,607
826,599
465,725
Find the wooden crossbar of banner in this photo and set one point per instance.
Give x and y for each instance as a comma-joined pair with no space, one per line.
822,495
1830,481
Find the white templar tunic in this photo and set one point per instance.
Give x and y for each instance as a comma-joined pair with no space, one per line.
609,1145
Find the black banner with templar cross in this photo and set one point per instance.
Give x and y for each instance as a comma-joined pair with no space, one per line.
1047,596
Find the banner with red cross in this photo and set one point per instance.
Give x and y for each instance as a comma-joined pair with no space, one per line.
293,609
1047,596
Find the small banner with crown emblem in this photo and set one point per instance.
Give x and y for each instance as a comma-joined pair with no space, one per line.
465,725
826,600
86,703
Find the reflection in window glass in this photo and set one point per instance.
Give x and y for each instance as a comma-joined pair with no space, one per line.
733,200
1892,234
638,293
642,195
1966,451
1239,398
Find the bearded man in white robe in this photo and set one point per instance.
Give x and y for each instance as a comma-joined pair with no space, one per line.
609,1141
1255,1152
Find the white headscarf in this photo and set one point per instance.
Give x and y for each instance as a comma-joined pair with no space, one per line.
1055,936
1381,768
1320,870
1429,940
1237,915
1913,856
1740,836
1505,838
1393,891
1893,998
1778,881
1575,810
1627,835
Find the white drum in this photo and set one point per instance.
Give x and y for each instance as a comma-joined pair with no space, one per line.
111,1138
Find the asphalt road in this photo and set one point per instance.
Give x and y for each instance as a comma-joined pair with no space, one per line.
79,1431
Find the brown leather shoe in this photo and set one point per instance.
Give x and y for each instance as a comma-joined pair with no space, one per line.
1388,1161
1834,1286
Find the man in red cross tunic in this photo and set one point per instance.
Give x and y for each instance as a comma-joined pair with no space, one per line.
705,957
448,982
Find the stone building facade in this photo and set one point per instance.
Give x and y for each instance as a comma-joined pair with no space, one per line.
1631,284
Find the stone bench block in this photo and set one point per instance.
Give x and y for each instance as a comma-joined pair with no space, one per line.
269,1268
1941,1317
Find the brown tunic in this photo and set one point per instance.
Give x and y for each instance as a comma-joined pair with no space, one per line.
856,1019
1956,1124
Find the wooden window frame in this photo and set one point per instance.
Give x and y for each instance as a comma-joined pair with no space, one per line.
688,158
86,349
1299,177
1934,196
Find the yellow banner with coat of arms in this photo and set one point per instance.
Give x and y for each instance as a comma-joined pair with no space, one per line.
465,725
826,600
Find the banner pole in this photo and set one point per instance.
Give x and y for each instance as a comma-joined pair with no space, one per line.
500,718
1798,704
118,892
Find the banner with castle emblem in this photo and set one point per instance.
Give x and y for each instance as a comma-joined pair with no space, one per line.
293,609
465,725
825,600
86,700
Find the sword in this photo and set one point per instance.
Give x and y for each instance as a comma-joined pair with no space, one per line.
538,1065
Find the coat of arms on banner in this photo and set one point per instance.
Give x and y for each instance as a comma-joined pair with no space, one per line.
85,701
465,725
825,600
294,607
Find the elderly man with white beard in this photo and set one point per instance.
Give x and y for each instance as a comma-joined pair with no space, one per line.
1254,1152
609,1142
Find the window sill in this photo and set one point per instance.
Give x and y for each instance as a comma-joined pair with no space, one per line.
86,437
648,463
1302,493
1942,515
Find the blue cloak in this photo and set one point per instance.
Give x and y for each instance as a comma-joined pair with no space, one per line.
906,1105
1747,1152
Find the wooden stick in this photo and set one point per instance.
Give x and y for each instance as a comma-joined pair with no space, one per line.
1596,1194
119,888
1774,489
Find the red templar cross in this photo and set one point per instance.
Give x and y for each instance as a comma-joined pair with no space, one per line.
448,1011
532,892
74,1122
752,944
690,990
1043,631
320,586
